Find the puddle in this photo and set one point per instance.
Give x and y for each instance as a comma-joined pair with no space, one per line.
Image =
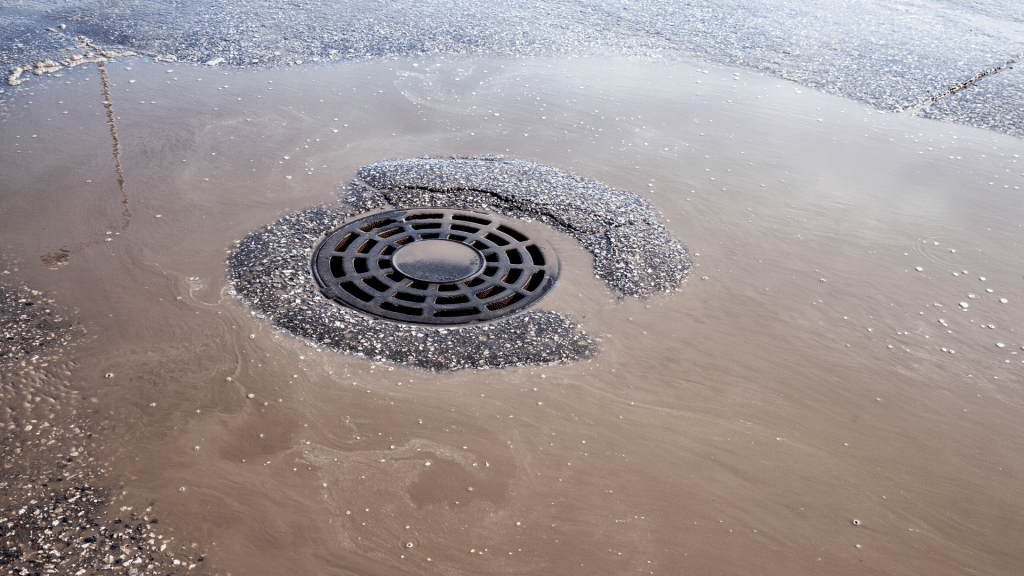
817,366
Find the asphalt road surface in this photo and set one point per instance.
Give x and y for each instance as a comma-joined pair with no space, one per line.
951,60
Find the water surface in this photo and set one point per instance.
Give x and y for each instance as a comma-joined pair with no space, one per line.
818,368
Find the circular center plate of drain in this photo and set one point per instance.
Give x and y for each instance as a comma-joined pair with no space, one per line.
434,266
438,261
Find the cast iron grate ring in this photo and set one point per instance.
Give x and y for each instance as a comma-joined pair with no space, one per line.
434,266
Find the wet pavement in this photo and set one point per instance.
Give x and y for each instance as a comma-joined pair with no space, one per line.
834,388
995,102
895,57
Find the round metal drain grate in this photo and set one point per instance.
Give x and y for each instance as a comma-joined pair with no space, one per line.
434,266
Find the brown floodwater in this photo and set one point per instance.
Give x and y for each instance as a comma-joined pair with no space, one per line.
836,389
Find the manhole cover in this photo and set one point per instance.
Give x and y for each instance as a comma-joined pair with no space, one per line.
434,266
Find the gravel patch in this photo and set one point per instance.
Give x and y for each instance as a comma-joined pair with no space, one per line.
56,515
32,328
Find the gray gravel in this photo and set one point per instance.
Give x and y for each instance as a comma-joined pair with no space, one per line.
33,330
894,56
57,513
633,254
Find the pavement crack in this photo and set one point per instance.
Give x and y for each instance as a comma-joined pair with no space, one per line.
63,255
108,104
961,86
509,201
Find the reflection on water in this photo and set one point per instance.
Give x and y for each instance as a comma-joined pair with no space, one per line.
819,367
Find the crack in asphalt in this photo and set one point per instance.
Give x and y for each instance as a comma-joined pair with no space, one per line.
962,85
108,104
633,252
509,200
63,254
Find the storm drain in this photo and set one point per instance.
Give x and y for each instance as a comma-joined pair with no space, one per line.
434,266
451,288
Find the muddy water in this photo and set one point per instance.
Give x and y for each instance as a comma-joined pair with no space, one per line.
816,399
